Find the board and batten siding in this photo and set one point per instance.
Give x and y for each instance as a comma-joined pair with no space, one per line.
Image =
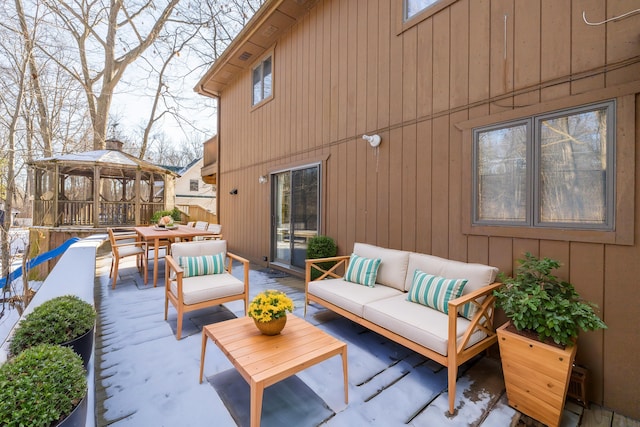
346,69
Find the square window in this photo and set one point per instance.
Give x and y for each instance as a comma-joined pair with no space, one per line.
193,185
549,170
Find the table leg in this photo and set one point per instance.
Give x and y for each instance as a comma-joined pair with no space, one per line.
204,349
345,373
257,390
155,261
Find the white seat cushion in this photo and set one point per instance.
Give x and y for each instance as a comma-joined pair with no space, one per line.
125,251
416,322
350,296
205,288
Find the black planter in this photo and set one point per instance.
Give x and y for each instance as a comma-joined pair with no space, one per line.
83,345
77,417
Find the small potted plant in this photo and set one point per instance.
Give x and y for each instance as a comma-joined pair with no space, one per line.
164,217
269,311
45,385
66,320
539,343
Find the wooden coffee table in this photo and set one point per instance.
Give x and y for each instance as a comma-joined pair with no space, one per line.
264,360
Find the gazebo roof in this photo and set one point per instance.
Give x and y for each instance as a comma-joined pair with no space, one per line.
110,158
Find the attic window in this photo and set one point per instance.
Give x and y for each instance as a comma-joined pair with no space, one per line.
262,80
413,7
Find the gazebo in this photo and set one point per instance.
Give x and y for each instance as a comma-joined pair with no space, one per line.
103,188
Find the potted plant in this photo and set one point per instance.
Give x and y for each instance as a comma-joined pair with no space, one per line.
44,385
539,343
269,311
66,320
174,214
321,247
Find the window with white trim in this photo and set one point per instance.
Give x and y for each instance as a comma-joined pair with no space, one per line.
262,80
550,170
413,7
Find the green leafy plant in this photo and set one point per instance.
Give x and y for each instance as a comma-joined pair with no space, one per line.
41,386
174,213
56,321
538,301
321,247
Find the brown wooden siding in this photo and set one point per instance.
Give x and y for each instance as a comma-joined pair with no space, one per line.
343,70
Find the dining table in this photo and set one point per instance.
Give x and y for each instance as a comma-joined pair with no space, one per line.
154,233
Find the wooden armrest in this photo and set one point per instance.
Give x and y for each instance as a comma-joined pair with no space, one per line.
482,319
340,260
238,258
172,264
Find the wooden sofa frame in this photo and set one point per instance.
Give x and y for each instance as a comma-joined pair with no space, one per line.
483,299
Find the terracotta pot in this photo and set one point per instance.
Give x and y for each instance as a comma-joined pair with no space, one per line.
536,375
273,327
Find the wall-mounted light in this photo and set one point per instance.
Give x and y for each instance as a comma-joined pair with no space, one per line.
262,179
233,192
373,140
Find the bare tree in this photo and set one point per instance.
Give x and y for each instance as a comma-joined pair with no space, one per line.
108,37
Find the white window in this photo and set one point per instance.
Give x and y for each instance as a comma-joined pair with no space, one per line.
549,170
262,80
413,7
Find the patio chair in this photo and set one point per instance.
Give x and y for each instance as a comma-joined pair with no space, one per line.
191,223
201,225
196,277
125,245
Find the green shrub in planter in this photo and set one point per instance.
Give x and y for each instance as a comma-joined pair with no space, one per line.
321,247
41,386
56,321
174,213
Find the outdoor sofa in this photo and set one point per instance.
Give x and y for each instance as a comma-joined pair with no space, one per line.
457,329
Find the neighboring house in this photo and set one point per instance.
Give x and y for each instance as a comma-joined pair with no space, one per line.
192,190
507,126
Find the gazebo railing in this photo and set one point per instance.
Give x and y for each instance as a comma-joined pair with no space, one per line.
74,212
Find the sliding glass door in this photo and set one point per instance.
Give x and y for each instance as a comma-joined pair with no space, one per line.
296,210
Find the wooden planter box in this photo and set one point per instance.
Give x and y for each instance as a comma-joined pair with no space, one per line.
536,375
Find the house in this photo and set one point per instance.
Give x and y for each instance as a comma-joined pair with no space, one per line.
192,190
506,127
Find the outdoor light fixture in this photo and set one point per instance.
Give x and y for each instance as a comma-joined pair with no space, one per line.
373,140
233,192
262,179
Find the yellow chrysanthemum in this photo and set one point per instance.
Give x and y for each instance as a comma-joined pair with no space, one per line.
270,305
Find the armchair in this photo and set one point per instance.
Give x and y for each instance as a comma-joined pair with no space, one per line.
196,277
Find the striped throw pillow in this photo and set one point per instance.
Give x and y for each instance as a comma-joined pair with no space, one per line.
362,270
201,265
434,291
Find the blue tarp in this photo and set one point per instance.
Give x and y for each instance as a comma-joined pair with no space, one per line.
39,260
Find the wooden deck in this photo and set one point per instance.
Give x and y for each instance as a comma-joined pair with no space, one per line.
382,374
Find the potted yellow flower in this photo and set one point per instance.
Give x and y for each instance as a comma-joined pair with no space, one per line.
269,311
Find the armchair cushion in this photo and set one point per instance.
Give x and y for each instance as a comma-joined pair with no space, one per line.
202,265
434,291
362,270
207,288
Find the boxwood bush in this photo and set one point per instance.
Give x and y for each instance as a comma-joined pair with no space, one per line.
321,247
41,386
56,321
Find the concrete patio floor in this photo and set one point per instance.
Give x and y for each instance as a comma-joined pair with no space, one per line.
145,377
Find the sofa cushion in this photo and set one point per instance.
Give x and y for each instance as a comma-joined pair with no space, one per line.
205,247
393,267
477,275
362,270
350,296
419,323
202,265
205,288
434,291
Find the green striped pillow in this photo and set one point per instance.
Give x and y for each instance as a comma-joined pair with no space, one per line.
362,270
201,265
434,291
